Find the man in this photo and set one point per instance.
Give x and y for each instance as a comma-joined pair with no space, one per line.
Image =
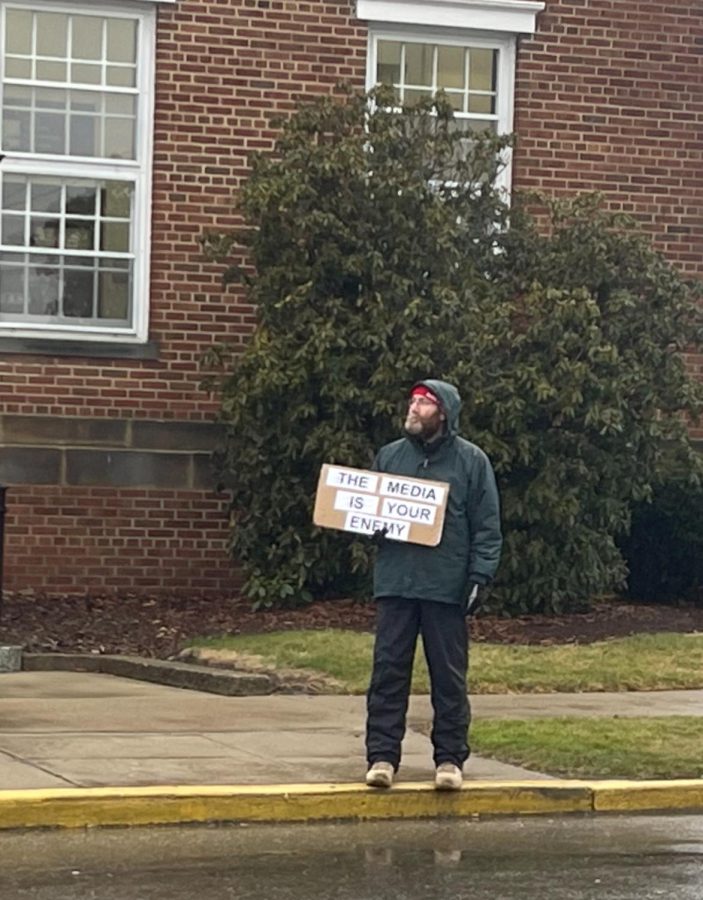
429,590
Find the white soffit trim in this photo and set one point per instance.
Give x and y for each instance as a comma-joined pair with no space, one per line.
515,16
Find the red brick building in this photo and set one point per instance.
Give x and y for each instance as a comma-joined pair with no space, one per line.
125,130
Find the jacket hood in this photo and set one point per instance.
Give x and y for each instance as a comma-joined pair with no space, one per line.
449,398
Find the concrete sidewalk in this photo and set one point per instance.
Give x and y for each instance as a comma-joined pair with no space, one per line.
73,729
77,730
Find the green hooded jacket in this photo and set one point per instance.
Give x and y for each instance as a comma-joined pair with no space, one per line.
469,550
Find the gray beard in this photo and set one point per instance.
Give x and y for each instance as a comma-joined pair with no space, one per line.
418,430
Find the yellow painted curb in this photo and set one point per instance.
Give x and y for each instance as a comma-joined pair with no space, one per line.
113,806
640,796
81,807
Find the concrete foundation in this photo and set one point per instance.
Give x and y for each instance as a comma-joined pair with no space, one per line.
10,658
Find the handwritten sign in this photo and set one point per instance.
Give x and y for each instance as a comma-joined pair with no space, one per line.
361,501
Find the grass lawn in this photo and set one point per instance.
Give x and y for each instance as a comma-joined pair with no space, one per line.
574,747
596,747
643,662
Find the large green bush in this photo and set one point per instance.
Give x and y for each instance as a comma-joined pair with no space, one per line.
379,252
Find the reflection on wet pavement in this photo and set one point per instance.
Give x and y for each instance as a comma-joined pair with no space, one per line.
571,858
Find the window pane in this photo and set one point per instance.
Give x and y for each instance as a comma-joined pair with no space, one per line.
78,292
87,37
18,68
119,138
482,70
50,133
13,259
457,101
18,35
51,71
450,67
50,98
481,104
388,65
80,199
116,200
121,40
413,97
113,295
86,101
13,230
85,73
478,125
120,104
43,284
17,97
16,130
44,232
11,288
46,197
52,32
14,193
79,262
114,237
85,136
418,63
80,235
121,76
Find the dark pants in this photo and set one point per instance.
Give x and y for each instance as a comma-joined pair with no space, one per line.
445,642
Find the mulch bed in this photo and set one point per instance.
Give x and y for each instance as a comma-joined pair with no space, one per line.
160,626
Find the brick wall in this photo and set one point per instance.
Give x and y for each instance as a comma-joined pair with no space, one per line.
103,540
608,97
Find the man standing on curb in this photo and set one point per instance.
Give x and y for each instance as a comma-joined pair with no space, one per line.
429,590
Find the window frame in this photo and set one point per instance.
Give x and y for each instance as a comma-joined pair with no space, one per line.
137,171
504,43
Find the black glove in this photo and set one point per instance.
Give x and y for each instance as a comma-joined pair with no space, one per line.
473,598
379,536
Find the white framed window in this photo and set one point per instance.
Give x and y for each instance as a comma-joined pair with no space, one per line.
471,72
467,48
76,97
477,73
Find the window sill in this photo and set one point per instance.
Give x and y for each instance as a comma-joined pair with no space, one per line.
62,347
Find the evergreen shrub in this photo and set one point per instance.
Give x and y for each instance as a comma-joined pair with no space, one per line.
377,251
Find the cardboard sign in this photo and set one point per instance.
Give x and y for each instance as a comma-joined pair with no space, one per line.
361,501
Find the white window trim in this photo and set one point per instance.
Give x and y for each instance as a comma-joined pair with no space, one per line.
514,16
505,95
479,23
17,163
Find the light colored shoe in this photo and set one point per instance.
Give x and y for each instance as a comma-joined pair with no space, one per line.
448,777
380,775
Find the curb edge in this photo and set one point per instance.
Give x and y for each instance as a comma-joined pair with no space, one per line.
133,806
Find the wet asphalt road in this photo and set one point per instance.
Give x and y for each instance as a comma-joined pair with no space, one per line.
602,857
